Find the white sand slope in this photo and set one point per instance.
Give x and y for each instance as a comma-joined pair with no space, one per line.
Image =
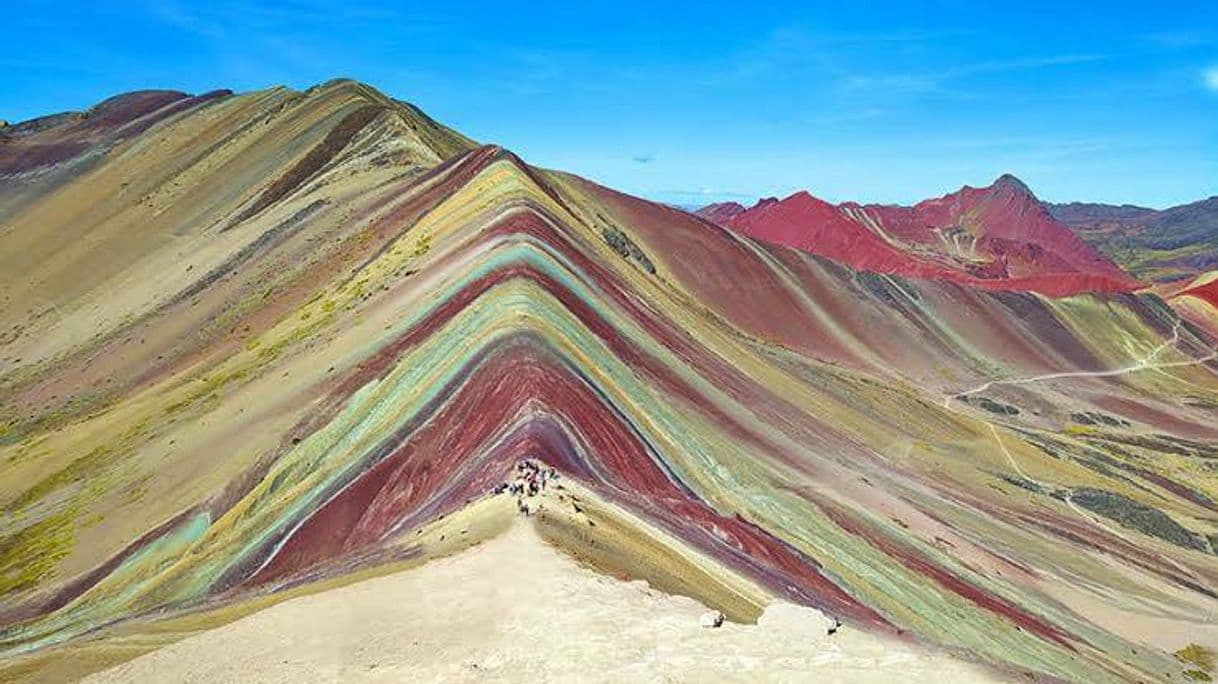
513,610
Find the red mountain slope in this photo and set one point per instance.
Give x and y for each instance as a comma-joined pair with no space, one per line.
999,237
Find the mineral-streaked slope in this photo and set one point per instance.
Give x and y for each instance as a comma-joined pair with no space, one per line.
272,339
1196,300
997,238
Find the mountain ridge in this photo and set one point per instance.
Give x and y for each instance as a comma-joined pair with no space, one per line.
1176,243
210,406
995,236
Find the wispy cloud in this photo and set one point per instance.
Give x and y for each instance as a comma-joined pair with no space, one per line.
937,80
892,83
1177,39
1022,64
223,19
786,49
709,192
185,18
843,117
1210,78
51,66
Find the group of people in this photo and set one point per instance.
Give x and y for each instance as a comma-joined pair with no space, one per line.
530,480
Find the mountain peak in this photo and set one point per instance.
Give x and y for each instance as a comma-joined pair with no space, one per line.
720,212
1012,241
1010,183
805,198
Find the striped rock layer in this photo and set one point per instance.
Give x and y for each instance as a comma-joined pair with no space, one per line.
252,342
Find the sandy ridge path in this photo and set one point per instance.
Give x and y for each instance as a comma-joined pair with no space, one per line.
515,609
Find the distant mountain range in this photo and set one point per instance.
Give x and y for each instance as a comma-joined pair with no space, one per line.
1153,245
996,237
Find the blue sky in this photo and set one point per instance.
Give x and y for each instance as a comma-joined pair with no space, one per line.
874,101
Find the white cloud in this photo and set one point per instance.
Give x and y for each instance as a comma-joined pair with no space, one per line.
708,192
1211,78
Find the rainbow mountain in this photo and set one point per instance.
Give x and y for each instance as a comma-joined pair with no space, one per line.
253,345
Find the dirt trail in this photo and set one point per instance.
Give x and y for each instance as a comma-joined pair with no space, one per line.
1144,364
515,609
